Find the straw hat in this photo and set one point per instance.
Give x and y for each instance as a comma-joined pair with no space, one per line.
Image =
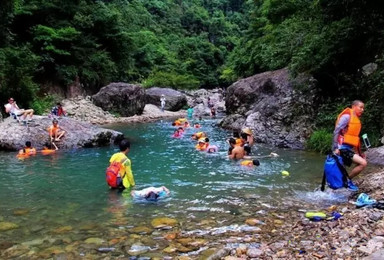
247,130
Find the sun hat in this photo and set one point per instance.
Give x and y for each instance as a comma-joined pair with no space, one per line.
202,140
214,147
247,130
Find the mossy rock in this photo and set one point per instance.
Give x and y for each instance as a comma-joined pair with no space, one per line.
4,226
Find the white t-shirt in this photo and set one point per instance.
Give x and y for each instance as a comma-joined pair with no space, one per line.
11,109
144,192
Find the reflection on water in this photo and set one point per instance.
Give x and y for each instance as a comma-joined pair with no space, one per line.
66,194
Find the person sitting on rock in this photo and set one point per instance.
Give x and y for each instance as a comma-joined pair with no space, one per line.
55,131
13,109
58,110
150,193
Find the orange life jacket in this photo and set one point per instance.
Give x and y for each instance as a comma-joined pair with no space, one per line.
239,142
351,136
202,147
247,163
53,129
47,151
26,152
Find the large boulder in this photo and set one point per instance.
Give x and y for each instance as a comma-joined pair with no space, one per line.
198,99
122,98
279,110
174,100
78,134
375,155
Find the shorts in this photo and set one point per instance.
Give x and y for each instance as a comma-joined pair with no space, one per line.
18,112
347,156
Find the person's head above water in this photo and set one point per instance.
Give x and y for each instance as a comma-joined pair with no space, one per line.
124,145
212,149
247,149
256,162
232,141
151,196
28,144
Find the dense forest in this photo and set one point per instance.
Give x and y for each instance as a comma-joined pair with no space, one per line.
190,44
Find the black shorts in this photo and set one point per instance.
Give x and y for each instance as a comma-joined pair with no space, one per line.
347,156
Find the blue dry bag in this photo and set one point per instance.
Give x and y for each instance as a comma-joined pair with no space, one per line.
335,174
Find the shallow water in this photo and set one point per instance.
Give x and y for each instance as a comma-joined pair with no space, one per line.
66,193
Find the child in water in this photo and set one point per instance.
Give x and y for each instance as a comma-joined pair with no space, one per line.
250,163
150,193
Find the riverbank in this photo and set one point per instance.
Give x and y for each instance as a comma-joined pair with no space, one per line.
358,234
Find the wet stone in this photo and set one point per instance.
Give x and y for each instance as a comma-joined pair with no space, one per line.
141,230
254,222
4,226
20,212
5,245
61,230
94,240
138,249
254,252
163,222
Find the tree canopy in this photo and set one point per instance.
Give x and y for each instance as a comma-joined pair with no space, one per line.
193,43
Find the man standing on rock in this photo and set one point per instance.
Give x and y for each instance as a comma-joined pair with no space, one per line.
162,102
346,139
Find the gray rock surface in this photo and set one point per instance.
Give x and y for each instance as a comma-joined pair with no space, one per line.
198,99
84,110
122,98
279,110
79,134
375,155
174,100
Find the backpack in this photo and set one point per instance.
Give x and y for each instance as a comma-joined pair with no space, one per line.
112,175
335,174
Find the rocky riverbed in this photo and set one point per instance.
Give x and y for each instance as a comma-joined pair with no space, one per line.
264,231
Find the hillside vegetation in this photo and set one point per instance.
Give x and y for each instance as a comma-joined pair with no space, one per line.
195,44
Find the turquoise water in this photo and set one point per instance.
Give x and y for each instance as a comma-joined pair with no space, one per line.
43,194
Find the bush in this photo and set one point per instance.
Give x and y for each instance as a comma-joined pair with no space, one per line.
320,141
43,105
172,80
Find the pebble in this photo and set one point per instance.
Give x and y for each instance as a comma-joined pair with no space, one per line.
254,252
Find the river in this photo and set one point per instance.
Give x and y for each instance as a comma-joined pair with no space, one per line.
60,203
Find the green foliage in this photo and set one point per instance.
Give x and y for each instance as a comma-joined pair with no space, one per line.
17,66
172,80
320,141
43,104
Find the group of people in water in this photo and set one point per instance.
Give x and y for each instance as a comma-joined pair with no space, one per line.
25,116
239,145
